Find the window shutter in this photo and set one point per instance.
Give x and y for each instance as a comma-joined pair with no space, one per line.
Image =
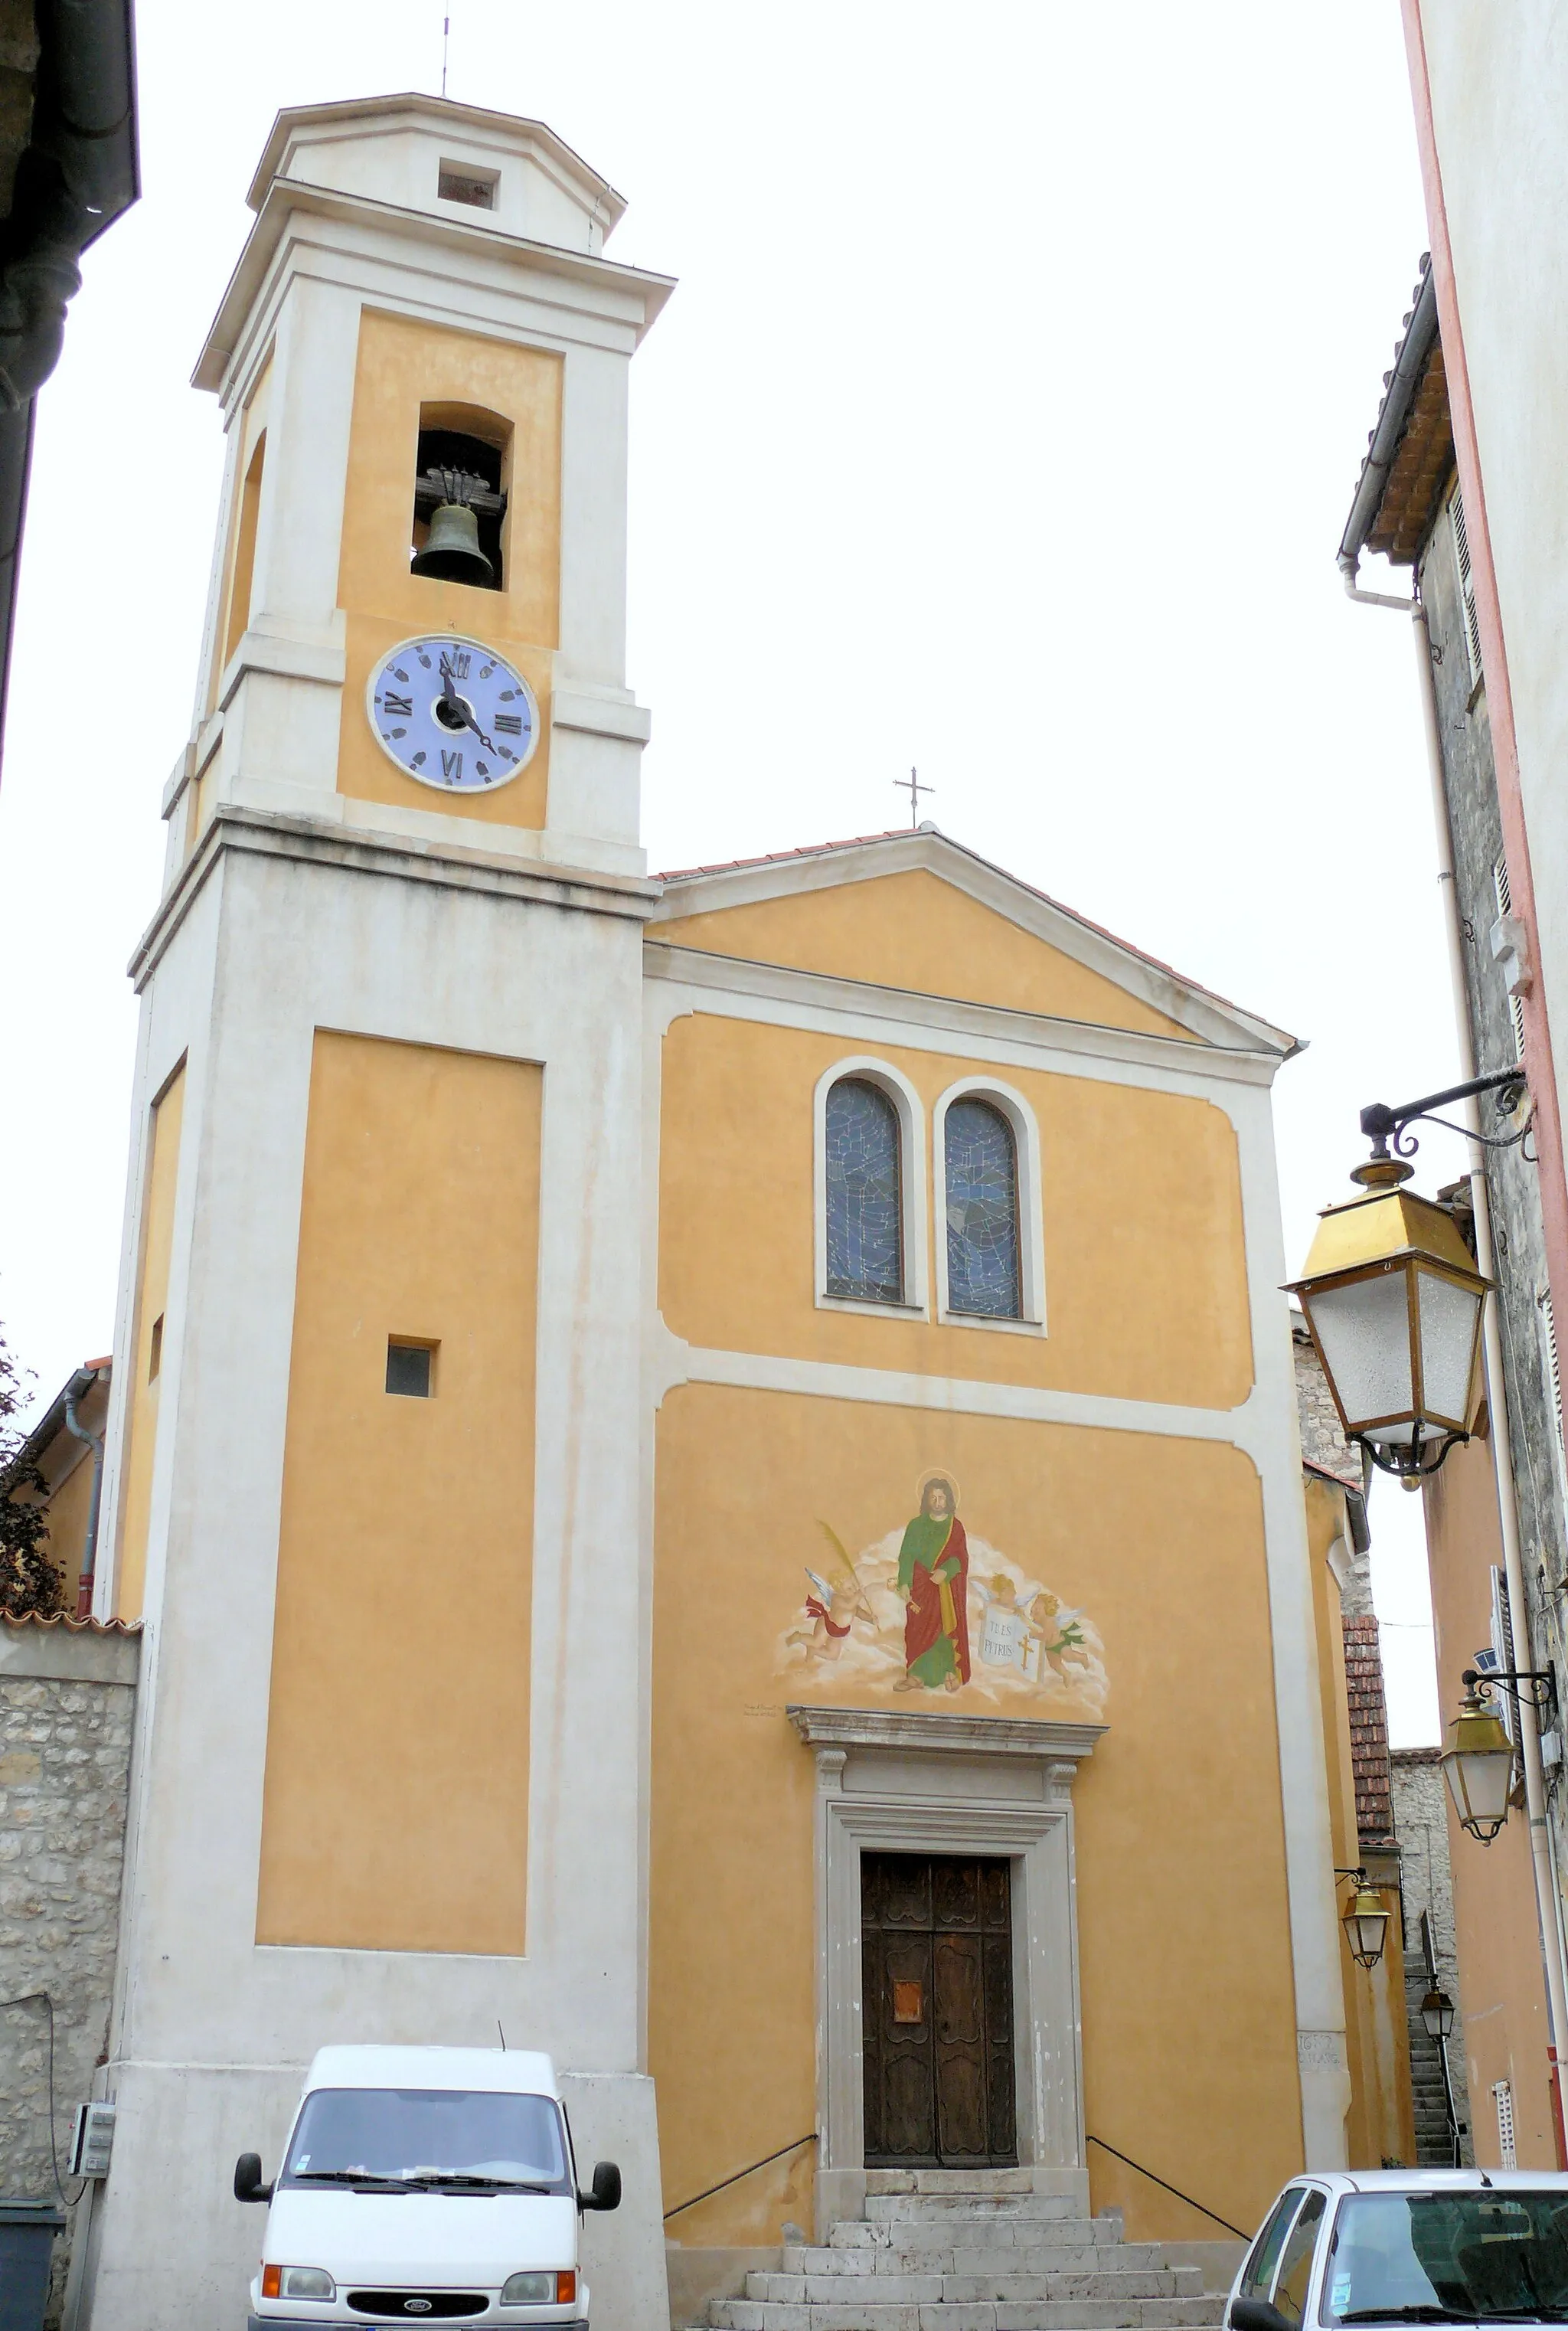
1467,582
1505,907
1503,1651
1552,1367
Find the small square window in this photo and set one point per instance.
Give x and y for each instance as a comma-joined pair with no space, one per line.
477,189
411,1369
155,1359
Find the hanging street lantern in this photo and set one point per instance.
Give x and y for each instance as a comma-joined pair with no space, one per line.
1438,2014
1392,1298
1479,1763
1364,1920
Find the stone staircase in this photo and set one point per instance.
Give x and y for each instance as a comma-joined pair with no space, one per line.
1434,2144
954,2249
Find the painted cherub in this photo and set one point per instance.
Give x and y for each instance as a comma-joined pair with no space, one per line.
1061,1638
832,1607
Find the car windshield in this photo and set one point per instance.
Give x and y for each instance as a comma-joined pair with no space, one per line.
427,2133
1486,2256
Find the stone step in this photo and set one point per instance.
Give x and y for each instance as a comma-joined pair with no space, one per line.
942,2254
1001,2315
950,2180
1118,2289
986,2228
886,2209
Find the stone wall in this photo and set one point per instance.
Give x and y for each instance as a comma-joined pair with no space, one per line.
1421,1823
67,1698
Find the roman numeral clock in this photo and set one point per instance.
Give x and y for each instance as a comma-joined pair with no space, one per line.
453,713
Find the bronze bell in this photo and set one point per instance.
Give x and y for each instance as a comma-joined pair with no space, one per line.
451,552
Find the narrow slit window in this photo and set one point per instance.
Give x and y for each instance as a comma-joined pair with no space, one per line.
411,1369
981,1160
864,1194
154,1357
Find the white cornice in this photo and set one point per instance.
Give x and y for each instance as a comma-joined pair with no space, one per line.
266,834
733,984
937,1732
1207,1016
632,294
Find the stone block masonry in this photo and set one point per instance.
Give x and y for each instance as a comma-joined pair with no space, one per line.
67,1699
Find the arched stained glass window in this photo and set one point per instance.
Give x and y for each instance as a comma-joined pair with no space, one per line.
981,1174
865,1201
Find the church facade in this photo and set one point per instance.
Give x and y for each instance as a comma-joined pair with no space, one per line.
709,1463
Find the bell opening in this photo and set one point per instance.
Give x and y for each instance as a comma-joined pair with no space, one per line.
465,541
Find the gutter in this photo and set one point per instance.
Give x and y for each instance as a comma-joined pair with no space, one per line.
1408,364
79,173
78,1389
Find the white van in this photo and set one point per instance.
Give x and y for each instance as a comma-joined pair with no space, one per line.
425,2186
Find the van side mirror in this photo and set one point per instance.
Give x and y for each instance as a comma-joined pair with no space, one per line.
248,2185
1257,2315
605,2191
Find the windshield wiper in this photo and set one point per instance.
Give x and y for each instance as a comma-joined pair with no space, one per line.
441,2178
349,2177
1409,2315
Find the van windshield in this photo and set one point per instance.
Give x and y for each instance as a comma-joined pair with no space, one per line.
428,2135
1488,2256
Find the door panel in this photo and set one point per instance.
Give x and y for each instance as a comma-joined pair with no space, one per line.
937,1956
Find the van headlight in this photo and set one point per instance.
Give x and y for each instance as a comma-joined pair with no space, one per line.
548,2289
297,2282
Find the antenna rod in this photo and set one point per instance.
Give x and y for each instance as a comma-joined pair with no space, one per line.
445,36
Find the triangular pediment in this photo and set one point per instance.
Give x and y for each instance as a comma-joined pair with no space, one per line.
919,912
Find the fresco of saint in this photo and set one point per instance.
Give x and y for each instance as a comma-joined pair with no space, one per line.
932,1584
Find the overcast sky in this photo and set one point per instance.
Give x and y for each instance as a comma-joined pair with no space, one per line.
1004,422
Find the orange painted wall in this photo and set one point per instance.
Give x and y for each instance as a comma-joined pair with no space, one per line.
1145,1260
402,365
146,1385
915,930
405,1555
1502,1996
1188,2017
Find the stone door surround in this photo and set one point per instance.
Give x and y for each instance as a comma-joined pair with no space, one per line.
944,1783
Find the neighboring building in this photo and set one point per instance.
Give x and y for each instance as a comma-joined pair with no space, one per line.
1411,506
61,1465
1380,2128
1420,1815
622,1555
68,170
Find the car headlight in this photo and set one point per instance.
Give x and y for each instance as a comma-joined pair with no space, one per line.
297,2282
551,2289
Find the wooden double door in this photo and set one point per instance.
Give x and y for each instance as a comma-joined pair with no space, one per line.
937,2021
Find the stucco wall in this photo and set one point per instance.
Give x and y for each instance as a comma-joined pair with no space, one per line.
66,1700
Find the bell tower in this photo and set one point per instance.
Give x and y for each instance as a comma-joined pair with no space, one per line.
374,1485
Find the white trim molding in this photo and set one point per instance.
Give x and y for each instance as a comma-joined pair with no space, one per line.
864,1069
1010,1105
891,1782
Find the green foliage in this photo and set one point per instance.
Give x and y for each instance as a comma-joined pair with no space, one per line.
30,1585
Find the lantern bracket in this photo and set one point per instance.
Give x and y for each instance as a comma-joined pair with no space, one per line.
1379,1121
1539,1687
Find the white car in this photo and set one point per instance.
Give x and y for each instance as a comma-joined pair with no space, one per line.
425,2184
1347,2248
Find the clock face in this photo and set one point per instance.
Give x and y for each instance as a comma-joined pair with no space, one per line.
453,713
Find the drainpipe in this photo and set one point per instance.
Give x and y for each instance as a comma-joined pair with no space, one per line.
77,1389
1541,1858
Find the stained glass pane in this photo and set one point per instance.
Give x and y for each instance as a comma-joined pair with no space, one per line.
865,1225
983,1272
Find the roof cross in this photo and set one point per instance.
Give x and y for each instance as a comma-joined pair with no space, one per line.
913,788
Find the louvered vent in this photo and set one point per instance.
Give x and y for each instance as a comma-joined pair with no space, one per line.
1505,907
1503,2098
1467,582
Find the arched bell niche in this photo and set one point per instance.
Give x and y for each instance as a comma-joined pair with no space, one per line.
479,443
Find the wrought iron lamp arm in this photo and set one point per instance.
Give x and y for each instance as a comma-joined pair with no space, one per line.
1379,1121
1542,1694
